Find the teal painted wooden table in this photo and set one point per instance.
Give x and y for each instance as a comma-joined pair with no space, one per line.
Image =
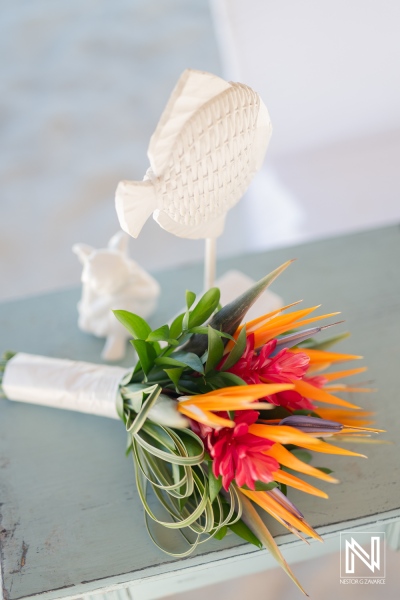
71,521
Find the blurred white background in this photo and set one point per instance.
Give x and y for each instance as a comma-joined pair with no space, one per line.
83,85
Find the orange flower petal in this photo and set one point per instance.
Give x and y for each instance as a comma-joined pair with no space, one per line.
275,509
299,484
290,435
286,458
341,374
313,393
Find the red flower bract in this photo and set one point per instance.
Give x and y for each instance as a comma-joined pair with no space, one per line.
238,455
284,367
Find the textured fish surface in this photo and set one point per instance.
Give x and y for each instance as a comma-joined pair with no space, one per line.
210,141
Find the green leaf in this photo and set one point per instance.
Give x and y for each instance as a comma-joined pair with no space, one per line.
302,455
325,470
230,316
204,307
133,323
181,359
204,331
245,533
260,486
185,320
328,343
221,533
176,326
190,360
160,334
283,488
221,379
215,349
174,375
214,483
190,298
237,351
146,354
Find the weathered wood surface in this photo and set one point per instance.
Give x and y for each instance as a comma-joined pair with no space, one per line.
71,521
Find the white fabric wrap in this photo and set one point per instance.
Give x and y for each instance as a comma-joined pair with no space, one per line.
62,383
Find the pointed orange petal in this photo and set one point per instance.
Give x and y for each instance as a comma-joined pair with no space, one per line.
275,509
320,356
264,335
286,458
254,324
299,484
345,417
290,435
341,374
256,390
205,417
313,393
342,387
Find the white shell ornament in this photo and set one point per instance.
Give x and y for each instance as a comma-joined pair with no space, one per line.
210,141
111,280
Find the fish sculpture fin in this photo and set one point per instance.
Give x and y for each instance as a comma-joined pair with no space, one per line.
193,90
134,201
211,229
262,135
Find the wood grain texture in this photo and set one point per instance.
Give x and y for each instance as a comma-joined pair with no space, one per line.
71,521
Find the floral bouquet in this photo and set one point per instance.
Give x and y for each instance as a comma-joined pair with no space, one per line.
221,414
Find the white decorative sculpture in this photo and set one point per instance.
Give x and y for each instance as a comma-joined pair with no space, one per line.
112,280
210,141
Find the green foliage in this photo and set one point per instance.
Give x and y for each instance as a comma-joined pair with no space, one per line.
214,484
241,529
134,324
215,349
204,307
237,351
190,298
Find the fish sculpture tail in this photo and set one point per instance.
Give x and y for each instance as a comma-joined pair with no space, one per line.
135,201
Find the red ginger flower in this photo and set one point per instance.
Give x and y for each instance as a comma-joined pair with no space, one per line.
238,454
284,367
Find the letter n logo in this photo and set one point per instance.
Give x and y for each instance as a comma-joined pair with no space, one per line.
372,560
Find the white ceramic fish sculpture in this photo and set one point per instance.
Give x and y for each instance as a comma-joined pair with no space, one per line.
210,141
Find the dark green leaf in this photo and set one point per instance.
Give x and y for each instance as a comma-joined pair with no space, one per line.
325,470
160,334
174,375
241,529
302,455
307,412
215,349
230,316
260,486
215,485
204,307
133,323
328,343
190,298
189,359
236,351
283,488
146,354
204,330
220,379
